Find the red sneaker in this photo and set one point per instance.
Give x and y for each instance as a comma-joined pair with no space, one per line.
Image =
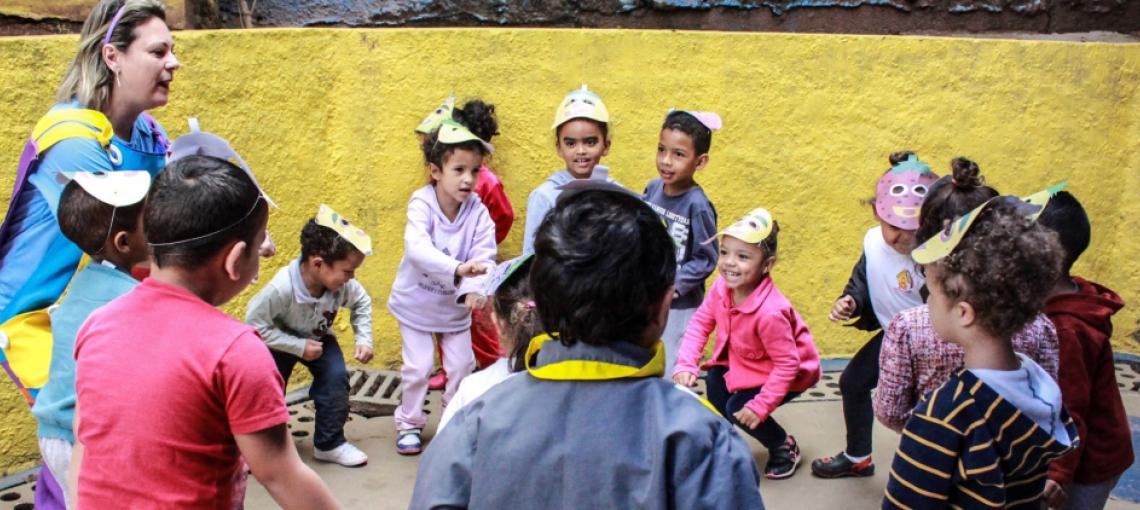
438,381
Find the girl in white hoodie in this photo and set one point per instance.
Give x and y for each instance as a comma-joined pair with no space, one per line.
449,245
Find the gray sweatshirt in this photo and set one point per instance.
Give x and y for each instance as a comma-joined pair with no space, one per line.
286,315
691,220
542,200
618,443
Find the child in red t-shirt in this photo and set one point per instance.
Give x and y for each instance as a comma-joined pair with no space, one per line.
173,393
1082,311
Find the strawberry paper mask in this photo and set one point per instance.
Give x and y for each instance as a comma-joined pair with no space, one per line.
900,192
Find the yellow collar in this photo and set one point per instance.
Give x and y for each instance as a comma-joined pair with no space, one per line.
592,370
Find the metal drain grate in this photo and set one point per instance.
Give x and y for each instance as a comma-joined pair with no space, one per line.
20,497
1127,376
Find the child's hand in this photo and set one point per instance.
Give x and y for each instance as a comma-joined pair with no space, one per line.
473,301
313,349
471,268
747,418
686,379
1055,494
844,307
363,353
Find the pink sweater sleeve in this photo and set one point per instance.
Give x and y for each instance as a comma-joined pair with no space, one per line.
483,249
775,331
697,335
418,245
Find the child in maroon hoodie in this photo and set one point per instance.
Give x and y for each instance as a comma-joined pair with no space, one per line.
1082,311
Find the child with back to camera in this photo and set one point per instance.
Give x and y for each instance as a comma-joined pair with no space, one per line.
101,213
515,318
592,424
295,311
914,360
883,283
479,117
581,138
764,355
985,437
203,388
1082,311
682,150
449,245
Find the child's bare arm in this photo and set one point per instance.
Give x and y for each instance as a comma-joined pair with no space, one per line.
274,461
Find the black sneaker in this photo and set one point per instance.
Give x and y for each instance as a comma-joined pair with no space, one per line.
783,460
840,466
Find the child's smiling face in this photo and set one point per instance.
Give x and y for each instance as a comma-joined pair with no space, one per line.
581,144
455,181
677,158
742,265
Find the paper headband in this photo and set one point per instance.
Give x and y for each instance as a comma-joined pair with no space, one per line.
504,271
581,104
201,143
900,192
943,244
753,228
708,119
451,132
326,217
116,189
435,118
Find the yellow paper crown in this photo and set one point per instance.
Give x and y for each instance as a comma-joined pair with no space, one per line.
753,228
436,117
581,104
451,132
943,243
326,217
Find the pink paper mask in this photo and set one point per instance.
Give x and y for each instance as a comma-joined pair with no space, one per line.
900,192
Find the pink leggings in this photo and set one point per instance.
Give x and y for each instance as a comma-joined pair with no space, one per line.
419,356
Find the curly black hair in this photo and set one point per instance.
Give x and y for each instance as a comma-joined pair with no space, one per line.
321,241
479,117
686,123
435,152
1004,267
602,260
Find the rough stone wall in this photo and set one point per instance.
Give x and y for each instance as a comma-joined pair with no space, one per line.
835,16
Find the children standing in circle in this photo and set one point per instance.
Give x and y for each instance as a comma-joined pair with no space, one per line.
517,322
682,150
478,117
582,138
764,354
449,244
883,283
294,314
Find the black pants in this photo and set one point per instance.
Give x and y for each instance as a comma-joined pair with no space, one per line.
769,433
858,379
329,391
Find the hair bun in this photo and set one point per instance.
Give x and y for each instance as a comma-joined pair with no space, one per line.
479,117
900,156
965,174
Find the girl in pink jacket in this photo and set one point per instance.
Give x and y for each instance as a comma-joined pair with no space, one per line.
764,354
449,244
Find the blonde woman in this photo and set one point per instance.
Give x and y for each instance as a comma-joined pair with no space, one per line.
123,67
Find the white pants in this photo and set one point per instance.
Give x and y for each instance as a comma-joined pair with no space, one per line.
419,356
673,335
57,457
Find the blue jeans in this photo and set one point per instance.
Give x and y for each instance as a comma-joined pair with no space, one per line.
329,391
769,433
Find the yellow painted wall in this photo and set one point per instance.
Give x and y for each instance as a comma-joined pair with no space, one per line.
327,116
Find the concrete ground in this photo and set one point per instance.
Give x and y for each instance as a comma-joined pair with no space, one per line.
816,421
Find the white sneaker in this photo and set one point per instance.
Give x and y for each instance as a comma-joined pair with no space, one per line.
345,455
